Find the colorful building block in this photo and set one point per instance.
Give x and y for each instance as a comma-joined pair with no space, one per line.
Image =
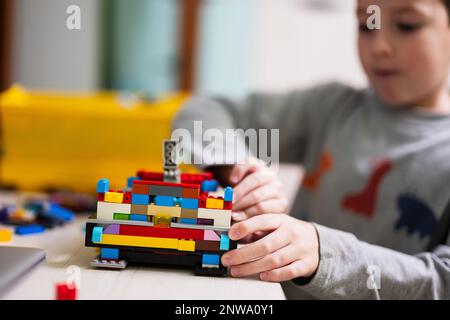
228,205
204,245
188,221
112,229
209,185
127,197
167,201
29,229
186,245
115,197
142,199
205,222
211,259
211,235
170,191
222,218
109,253
179,233
100,197
5,235
173,212
138,217
214,203
188,203
188,213
140,188
97,234
190,193
103,185
66,292
133,241
106,210
150,176
121,216
139,209
224,242
130,181
228,194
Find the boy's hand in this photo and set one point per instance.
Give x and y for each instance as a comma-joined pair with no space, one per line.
257,191
290,249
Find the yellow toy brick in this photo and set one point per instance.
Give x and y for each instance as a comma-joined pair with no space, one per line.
5,235
174,212
213,203
134,241
186,245
115,197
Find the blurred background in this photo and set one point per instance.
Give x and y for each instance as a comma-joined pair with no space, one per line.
59,127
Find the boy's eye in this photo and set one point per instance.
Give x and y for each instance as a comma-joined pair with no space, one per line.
408,27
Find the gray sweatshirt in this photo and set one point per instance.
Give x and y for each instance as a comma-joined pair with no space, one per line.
376,183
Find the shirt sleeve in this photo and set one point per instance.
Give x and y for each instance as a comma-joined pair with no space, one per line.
353,269
297,115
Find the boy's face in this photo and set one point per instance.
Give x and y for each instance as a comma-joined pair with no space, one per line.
407,60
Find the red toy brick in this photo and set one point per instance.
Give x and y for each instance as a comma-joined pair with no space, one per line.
161,183
228,205
179,233
202,201
100,197
64,292
150,176
127,197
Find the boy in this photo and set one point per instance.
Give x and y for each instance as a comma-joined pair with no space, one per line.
377,168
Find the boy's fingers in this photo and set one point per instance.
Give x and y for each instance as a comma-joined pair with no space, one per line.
240,171
278,259
294,270
249,183
267,222
255,196
275,205
256,250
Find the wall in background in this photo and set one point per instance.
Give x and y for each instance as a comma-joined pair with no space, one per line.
276,45
144,45
223,52
49,56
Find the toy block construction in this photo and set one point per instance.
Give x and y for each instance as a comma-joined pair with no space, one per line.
167,218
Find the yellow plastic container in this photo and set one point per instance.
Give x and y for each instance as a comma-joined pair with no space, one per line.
69,141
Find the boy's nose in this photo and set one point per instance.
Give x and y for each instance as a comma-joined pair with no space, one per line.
382,44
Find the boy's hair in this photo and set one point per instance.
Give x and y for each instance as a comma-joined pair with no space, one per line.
447,6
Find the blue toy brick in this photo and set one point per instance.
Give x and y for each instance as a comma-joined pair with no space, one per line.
166,201
59,212
209,185
108,253
143,199
228,194
130,181
138,217
97,234
30,229
224,242
189,203
177,201
188,221
103,185
211,259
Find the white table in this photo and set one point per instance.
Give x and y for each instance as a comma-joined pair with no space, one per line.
65,247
